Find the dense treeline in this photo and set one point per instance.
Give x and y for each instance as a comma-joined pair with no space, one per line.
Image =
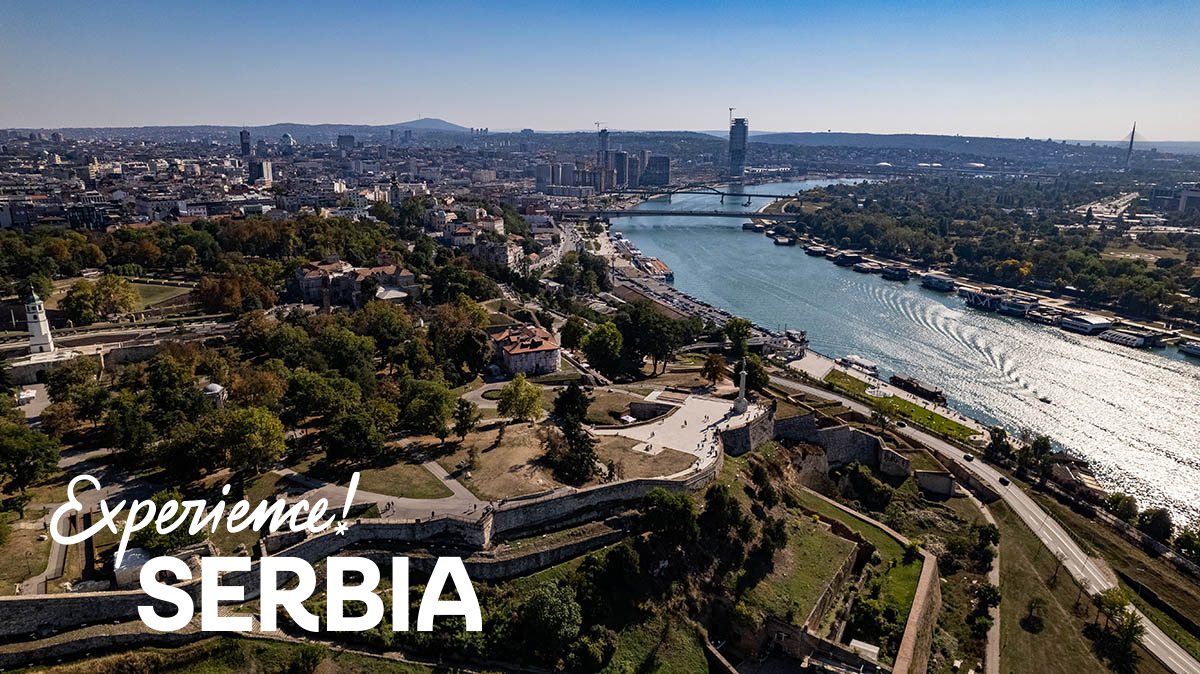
1014,233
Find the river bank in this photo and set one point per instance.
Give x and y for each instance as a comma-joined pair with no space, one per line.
1123,409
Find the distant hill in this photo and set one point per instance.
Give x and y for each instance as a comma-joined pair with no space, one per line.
301,132
432,124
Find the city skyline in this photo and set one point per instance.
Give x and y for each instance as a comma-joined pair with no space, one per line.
1071,71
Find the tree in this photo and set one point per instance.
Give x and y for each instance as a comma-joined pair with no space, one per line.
127,424
756,374
572,403
774,536
670,517
714,368
724,526
59,419
172,388
115,295
1187,543
63,379
159,543
79,304
1123,506
1035,605
1129,628
384,322
1112,602
573,332
551,617
520,399
1156,523
185,256
1060,558
26,456
603,347
738,330
466,417
570,451
987,596
354,437
253,437
90,401
882,419
998,445
429,408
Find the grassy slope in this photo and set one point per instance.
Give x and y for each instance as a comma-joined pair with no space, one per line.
900,408
899,582
1026,568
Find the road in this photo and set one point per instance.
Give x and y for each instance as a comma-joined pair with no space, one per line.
1076,561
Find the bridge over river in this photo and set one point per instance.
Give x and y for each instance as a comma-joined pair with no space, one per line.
618,213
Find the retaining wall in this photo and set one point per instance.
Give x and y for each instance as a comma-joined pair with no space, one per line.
935,481
965,477
738,441
843,444
30,614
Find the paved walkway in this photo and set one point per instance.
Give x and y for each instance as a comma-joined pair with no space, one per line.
991,661
115,486
460,502
692,428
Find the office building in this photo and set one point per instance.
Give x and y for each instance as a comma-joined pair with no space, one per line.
621,165
738,131
245,138
634,174
603,151
658,171
542,175
260,169
345,142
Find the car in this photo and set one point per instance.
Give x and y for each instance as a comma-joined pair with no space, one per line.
1004,481
969,457
901,424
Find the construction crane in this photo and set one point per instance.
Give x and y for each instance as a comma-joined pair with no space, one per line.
731,116
598,125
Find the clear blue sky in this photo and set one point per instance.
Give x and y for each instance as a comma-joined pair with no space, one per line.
1063,69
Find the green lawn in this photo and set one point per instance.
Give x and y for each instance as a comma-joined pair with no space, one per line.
899,408
23,554
152,293
660,644
899,581
801,573
1026,569
401,479
1159,575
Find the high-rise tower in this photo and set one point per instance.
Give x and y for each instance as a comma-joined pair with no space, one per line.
603,154
245,138
739,129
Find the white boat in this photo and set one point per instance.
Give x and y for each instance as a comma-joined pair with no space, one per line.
858,362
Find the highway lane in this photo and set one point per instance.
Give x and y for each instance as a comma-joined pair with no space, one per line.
1098,576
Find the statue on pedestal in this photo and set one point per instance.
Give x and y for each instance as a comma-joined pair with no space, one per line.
740,405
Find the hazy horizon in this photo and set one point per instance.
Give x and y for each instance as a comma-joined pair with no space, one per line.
1073,70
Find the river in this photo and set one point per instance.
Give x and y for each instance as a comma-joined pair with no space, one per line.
1135,414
